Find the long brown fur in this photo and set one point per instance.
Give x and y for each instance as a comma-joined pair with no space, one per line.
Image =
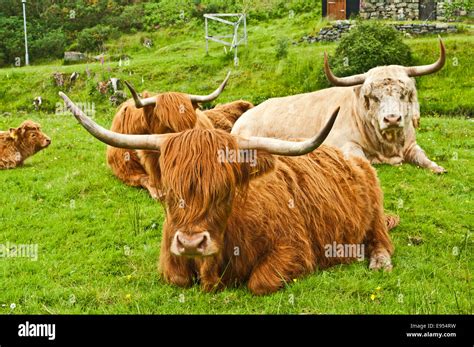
224,116
173,112
278,215
18,144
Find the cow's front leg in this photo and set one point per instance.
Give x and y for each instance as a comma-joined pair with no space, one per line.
279,267
175,269
150,161
353,149
209,274
379,245
414,154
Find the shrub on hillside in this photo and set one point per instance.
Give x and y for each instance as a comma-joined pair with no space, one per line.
52,44
270,9
367,45
129,20
281,48
11,40
458,8
93,39
167,13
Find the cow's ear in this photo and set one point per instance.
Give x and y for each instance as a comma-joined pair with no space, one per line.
357,90
13,133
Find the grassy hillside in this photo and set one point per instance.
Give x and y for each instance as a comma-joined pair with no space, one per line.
99,240
177,62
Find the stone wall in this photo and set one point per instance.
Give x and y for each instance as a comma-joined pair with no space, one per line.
334,31
74,57
440,13
390,9
397,9
426,28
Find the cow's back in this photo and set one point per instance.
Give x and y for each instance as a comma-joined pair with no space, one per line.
307,203
223,116
299,116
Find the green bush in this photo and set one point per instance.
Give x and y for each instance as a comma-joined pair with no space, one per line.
129,20
282,48
269,9
455,8
93,39
52,44
367,45
11,40
167,13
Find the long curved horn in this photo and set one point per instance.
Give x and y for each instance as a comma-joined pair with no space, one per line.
213,95
289,148
414,71
139,103
152,142
341,81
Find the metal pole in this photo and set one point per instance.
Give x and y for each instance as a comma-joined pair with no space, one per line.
245,28
27,59
207,40
236,41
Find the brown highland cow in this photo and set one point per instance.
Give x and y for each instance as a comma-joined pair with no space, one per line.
229,222
159,114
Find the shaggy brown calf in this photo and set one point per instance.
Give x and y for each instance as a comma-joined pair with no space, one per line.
228,222
167,113
17,144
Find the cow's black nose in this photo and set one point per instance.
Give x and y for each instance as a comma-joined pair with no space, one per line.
392,119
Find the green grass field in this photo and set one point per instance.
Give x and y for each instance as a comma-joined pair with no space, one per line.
98,240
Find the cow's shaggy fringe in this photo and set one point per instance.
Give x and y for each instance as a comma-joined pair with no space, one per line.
271,222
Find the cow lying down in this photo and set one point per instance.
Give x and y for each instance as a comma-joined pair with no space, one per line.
230,222
158,114
17,144
379,114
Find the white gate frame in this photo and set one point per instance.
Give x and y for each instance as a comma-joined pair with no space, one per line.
235,36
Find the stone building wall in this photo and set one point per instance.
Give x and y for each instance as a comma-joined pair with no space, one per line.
390,9
440,14
397,9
